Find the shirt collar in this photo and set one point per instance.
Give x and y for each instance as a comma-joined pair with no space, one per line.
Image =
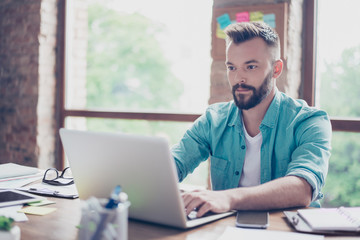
235,117
272,113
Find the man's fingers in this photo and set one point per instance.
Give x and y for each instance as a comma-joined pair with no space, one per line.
206,207
194,203
192,200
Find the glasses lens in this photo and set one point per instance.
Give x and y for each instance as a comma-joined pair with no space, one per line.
51,174
67,173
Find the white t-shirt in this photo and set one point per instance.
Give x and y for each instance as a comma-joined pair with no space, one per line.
251,170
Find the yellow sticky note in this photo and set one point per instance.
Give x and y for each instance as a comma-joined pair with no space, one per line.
37,210
220,33
256,16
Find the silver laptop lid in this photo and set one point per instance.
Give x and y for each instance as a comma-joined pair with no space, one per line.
142,165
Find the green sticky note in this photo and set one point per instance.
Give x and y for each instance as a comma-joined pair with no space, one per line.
256,16
41,203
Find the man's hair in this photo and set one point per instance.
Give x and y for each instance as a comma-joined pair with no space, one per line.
244,31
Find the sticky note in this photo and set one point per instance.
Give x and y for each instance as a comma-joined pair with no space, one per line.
37,210
219,32
41,203
270,19
242,17
224,20
256,16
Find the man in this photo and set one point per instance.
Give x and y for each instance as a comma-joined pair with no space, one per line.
267,150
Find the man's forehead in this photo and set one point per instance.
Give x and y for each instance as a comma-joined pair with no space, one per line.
254,50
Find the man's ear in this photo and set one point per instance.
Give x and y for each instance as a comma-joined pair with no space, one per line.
278,67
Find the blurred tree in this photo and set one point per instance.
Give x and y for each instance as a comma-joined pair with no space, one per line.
340,85
126,66
127,70
340,96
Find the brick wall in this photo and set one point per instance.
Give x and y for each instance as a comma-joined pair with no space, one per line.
27,77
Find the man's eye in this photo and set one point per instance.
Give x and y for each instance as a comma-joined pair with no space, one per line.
231,68
251,67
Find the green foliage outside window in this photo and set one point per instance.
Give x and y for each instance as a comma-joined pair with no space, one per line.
126,66
340,96
127,70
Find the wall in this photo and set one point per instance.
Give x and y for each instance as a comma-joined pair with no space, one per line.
27,81
290,80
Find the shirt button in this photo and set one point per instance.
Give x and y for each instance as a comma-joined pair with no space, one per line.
242,147
237,172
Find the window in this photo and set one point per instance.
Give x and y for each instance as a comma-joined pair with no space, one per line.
139,55
138,67
338,92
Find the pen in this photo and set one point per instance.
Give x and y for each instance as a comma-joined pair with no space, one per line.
114,198
48,192
44,191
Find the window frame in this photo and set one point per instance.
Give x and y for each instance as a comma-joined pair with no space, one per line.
344,124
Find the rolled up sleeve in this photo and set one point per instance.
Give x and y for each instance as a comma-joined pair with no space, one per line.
310,160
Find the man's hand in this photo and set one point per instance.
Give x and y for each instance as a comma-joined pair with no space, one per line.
205,201
285,192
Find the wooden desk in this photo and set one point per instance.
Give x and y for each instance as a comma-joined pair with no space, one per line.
61,225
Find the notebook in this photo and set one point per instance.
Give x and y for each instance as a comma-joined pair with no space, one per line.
335,219
142,165
344,220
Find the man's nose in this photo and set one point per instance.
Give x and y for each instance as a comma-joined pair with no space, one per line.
240,77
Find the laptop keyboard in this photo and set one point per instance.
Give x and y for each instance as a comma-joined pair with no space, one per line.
192,215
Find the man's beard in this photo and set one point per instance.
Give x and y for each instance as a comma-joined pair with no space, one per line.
258,94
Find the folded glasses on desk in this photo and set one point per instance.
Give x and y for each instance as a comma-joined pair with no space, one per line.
53,177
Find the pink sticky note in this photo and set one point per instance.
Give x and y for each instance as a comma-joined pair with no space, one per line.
242,17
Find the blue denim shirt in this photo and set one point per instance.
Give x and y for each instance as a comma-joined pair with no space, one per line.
296,141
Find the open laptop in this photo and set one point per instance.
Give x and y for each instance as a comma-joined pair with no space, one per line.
142,165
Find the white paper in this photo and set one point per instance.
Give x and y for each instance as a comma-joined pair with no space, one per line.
13,213
233,233
20,182
8,170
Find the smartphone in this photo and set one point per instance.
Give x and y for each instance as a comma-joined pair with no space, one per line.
252,219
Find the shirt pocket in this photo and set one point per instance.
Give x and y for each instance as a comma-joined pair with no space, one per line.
219,173
219,163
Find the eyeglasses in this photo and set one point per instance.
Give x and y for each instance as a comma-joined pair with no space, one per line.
52,177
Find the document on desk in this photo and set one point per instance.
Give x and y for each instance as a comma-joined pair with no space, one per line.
9,170
12,212
68,191
234,233
14,175
11,183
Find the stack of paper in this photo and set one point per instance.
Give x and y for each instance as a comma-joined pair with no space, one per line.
11,170
14,175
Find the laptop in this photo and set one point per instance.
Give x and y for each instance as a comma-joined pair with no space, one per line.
142,165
